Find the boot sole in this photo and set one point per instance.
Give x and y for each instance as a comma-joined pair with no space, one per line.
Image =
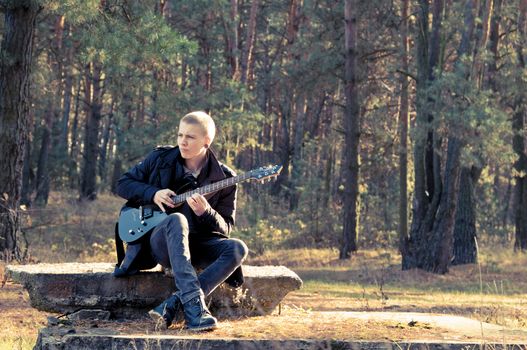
203,328
158,319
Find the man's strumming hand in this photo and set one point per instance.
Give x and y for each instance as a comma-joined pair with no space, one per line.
163,197
198,204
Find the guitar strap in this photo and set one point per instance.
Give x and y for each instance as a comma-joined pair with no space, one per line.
119,245
124,260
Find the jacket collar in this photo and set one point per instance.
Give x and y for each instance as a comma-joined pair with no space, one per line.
170,157
213,171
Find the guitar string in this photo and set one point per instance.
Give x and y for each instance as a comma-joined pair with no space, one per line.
180,198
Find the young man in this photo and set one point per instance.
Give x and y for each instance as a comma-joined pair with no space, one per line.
195,233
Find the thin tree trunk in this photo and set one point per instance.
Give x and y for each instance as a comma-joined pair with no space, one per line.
507,201
15,69
403,134
283,147
104,147
74,150
91,136
421,199
298,139
42,180
26,179
350,163
231,36
248,48
285,123
518,126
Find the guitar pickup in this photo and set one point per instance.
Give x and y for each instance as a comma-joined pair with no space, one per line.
146,212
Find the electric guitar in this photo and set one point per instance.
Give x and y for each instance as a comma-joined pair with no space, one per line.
134,223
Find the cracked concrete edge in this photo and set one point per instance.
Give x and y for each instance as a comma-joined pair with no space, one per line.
68,339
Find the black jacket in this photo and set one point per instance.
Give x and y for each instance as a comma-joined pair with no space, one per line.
163,168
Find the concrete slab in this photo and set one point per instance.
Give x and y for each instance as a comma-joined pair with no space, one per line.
69,287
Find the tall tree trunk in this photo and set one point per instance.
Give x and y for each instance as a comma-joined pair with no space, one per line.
248,48
27,177
283,147
91,137
298,139
431,242
42,180
15,69
48,155
428,184
74,150
103,155
465,247
284,123
441,239
423,205
63,141
350,164
231,39
403,134
443,230
518,143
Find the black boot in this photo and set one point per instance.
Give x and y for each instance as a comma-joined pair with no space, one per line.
167,312
197,316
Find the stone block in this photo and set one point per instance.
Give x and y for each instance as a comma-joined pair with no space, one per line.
69,287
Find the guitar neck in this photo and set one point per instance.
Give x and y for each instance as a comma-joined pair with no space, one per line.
214,187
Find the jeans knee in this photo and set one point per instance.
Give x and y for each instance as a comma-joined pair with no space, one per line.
239,249
177,223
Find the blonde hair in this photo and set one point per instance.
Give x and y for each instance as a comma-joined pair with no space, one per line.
203,120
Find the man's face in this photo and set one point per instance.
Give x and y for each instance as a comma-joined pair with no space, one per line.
192,140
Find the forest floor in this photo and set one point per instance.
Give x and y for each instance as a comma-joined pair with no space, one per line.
331,304
335,297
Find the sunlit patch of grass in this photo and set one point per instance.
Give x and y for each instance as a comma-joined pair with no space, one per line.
374,280
19,323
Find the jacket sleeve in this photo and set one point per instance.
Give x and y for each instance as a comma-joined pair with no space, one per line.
220,219
134,184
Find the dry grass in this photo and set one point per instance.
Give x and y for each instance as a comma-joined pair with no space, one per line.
19,323
493,291
69,230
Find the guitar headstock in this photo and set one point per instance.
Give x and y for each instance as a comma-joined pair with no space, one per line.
265,173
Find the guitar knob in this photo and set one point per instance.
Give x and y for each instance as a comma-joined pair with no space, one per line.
131,232
143,222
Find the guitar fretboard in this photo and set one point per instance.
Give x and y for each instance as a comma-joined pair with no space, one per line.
214,187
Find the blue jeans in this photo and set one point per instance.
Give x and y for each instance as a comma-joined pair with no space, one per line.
219,257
